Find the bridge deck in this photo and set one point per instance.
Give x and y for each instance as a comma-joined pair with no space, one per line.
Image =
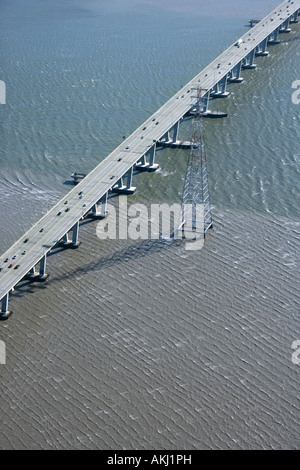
100,180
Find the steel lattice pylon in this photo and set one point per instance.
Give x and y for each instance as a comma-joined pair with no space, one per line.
196,210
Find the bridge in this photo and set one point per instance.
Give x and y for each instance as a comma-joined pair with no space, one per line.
60,226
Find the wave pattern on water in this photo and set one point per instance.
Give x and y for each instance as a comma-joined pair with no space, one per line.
166,351
142,345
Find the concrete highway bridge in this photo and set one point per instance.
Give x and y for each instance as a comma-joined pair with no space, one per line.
27,257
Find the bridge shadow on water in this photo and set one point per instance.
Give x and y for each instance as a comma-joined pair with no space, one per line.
141,249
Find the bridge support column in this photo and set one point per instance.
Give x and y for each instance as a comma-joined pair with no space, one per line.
39,276
74,242
235,74
204,104
284,28
214,91
165,137
202,108
294,17
219,90
175,131
75,234
99,210
5,313
248,61
143,165
273,37
261,49
125,189
43,266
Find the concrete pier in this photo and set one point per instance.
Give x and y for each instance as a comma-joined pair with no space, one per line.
180,144
125,188
73,242
261,49
166,138
284,28
273,38
294,18
220,89
174,142
144,165
39,275
248,61
5,313
234,76
253,22
99,210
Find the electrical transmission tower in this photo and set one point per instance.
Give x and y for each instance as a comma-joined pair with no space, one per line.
196,210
